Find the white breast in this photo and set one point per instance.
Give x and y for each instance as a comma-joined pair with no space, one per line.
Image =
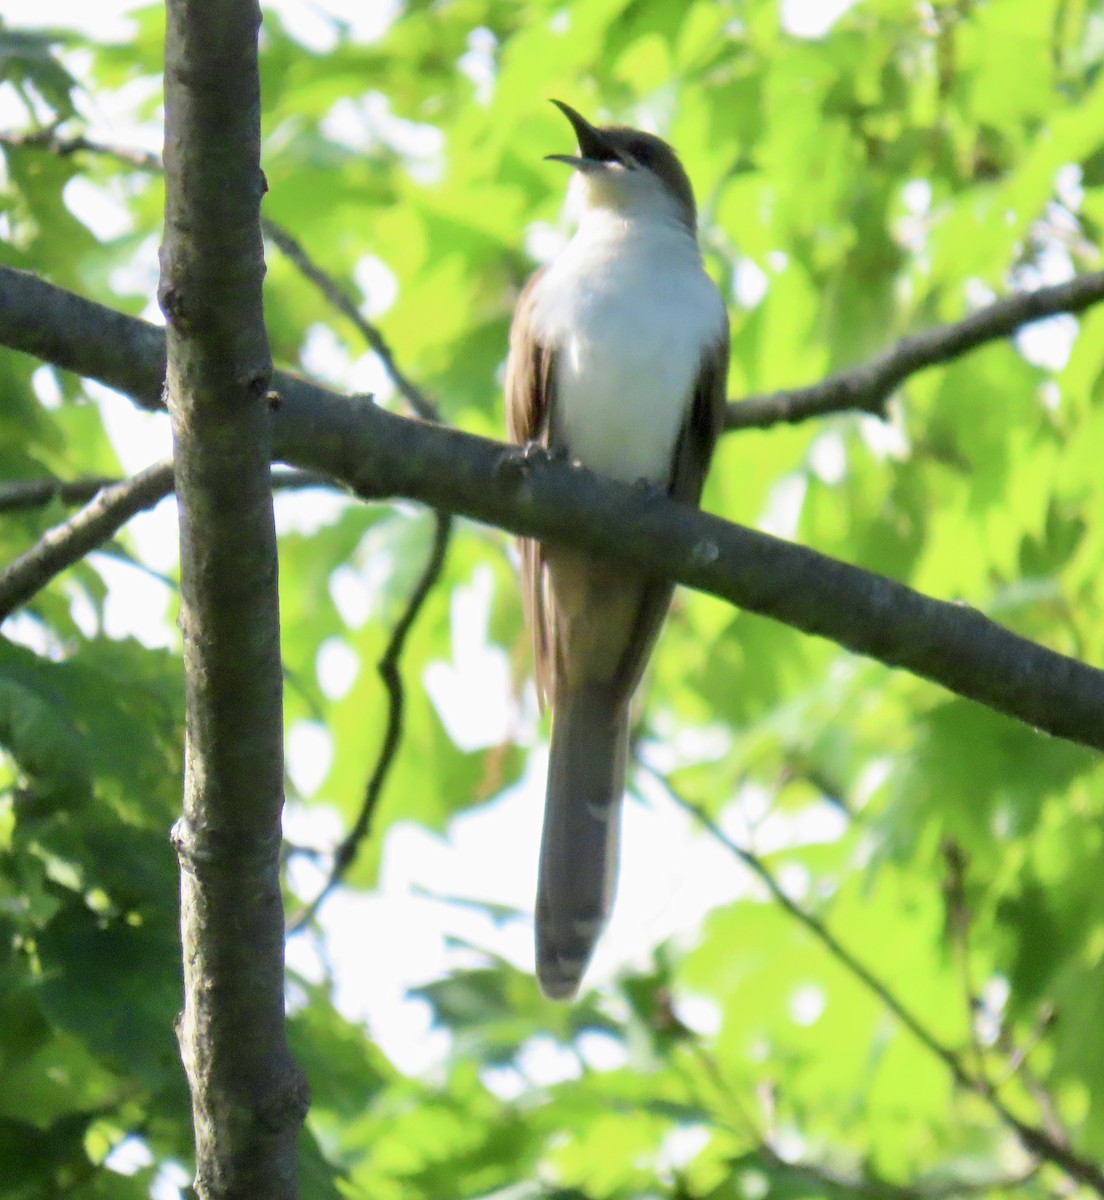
630,311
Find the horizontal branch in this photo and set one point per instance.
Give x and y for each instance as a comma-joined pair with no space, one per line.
867,388
380,454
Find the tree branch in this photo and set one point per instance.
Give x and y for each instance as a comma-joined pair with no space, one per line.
113,503
248,1096
867,388
872,1189
379,454
21,495
388,668
1035,1140
111,507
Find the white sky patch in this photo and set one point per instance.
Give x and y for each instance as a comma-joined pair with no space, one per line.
990,1014
911,229
97,208
471,694
46,389
351,596
170,1183
1047,344
828,457
128,1156
307,510
137,603
794,880
807,1004
681,1146
324,356
1068,186
140,275
783,508
885,439
478,63
367,123
601,1051
377,284
309,755
22,629
104,21
139,437
337,667
812,18
544,1061
317,25
702,1014
369,377
749,283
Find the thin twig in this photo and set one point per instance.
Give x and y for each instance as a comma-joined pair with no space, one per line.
81,533
874,1189
867,388
289,245
388,669
957,913
49,139
1035,1140
21,495
340,299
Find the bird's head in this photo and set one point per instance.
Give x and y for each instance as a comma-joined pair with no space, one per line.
628,171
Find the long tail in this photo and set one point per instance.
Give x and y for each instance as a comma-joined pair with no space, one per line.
580,843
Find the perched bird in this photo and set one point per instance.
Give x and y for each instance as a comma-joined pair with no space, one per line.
618,360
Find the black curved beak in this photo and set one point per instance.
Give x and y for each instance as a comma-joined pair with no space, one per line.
594,147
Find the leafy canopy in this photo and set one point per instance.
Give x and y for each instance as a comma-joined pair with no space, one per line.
890,174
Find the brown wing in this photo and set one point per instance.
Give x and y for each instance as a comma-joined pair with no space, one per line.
529,389
704,423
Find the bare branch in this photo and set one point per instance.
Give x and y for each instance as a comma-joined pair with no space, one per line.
867,388
378,454
67,543
958,917
873,1189
1035,1140
388,668
289,245
49,139
21,495
249,1098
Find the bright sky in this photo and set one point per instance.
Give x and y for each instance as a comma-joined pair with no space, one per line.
380,945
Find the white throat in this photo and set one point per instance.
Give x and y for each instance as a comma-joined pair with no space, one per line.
630,312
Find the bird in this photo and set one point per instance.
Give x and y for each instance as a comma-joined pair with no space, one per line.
618,361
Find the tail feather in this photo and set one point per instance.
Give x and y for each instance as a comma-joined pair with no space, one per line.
580,843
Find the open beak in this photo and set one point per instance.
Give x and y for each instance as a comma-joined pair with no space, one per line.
594,148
